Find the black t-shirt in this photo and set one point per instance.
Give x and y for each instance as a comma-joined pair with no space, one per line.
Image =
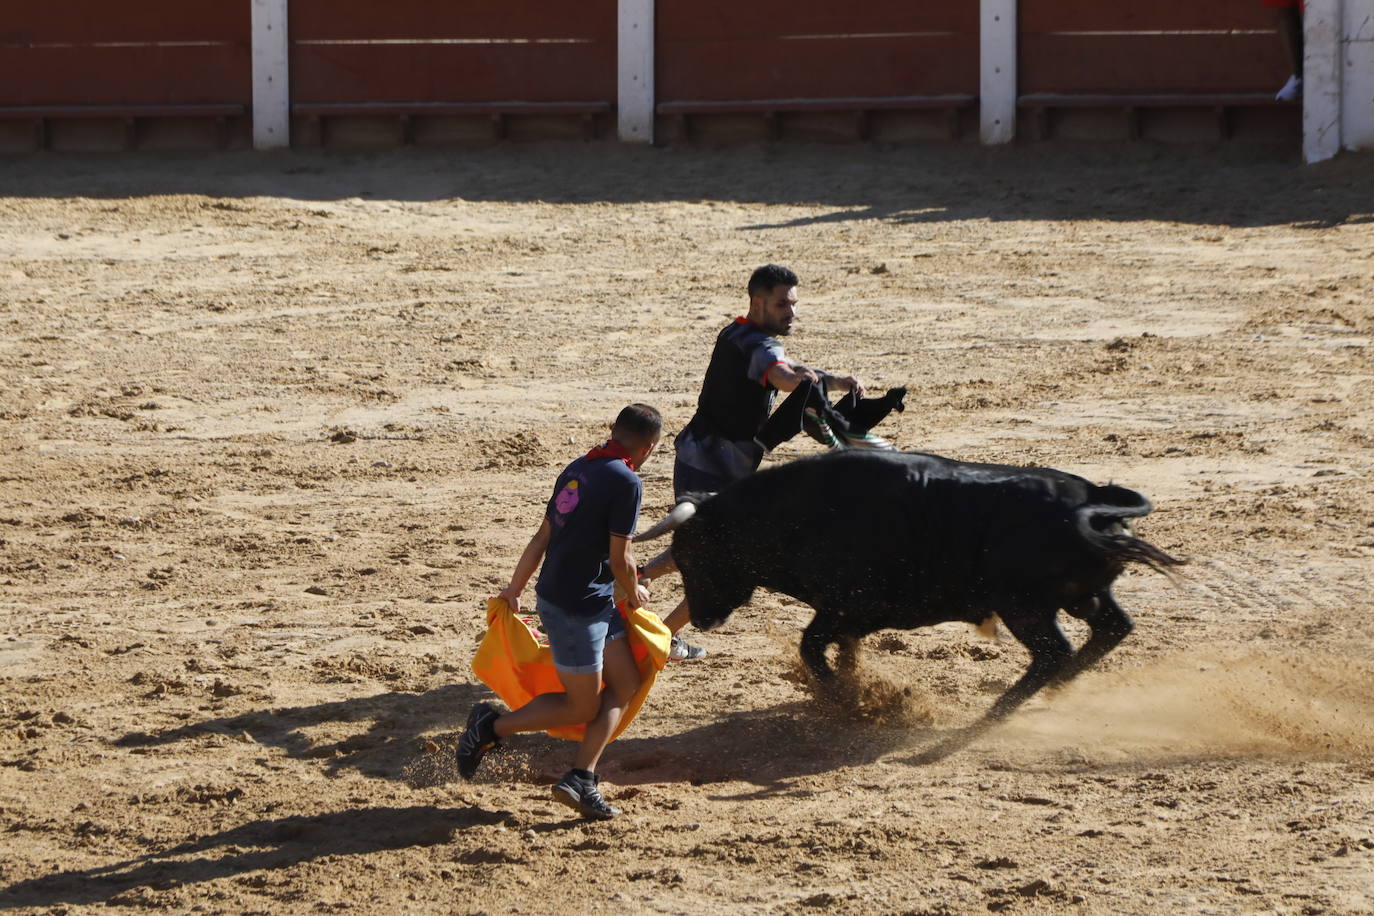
736,395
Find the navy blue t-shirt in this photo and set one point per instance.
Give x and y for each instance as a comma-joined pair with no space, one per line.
592,499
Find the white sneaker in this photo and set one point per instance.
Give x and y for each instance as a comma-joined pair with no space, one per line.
1291,91
868,440
683,651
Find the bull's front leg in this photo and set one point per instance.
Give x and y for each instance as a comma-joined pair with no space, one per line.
659,566
1051,652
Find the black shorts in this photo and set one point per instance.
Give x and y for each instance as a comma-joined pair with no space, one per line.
687,479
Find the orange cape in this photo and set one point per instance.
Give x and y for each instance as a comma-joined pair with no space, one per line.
514,660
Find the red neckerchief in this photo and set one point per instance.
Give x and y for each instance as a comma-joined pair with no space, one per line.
612,449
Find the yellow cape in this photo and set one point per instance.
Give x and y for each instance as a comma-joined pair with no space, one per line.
516,662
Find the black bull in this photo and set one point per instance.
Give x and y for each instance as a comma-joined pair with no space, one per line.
876,540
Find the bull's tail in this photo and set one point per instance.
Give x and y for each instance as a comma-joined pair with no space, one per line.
1104,524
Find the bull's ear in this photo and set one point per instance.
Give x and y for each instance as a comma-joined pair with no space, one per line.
865,413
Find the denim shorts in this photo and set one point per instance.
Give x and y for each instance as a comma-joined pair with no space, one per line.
578,642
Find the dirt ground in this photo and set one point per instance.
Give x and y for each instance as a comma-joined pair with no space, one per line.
273,427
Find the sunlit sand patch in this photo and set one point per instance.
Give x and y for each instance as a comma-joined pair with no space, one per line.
1211,704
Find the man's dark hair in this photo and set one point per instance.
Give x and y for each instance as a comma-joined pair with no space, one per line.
765,278
638,423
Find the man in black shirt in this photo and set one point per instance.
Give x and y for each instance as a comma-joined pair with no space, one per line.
748,368
730,433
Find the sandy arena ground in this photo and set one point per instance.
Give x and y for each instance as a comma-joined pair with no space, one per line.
272,428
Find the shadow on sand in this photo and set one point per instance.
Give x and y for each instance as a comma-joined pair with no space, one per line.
262,844
764,747
1225,184
768,749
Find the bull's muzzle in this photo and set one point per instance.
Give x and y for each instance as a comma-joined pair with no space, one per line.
706,623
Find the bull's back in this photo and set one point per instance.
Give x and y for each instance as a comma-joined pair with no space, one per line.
844,528
812,528
897,531
1027,534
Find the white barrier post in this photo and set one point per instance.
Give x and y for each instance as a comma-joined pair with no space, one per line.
997,71
1357,90
271,86
635,70
1321,80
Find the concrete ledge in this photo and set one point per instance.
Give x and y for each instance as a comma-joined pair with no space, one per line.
496,111
1040,105
129,114
1146,99
769,109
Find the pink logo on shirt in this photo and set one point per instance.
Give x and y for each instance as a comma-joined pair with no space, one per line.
567,498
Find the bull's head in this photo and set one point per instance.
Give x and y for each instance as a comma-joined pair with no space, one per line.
711,577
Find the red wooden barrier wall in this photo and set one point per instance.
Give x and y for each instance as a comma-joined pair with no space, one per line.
768,49
94,52
168,52
452,51
1118,46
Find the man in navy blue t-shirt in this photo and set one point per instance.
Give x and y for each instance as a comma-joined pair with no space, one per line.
591,497
584,543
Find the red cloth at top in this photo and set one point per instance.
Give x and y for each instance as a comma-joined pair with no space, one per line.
612,449
1284,4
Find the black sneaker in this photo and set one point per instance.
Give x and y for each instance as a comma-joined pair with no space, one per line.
580,792
478,738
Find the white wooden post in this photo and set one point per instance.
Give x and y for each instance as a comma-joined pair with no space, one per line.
271,86
1321,80
1357,90
635,70
997,71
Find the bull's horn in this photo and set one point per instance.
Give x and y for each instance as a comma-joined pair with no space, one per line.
679,514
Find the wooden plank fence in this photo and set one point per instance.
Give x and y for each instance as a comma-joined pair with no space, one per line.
405,68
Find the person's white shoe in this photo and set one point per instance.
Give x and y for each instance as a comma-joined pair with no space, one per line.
1291,91
868,440
683,651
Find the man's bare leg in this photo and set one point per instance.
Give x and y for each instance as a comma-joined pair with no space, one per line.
660,565
681,650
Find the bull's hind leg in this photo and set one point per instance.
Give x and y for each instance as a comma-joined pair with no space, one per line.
815,639
1050,652
1109,624
847,658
